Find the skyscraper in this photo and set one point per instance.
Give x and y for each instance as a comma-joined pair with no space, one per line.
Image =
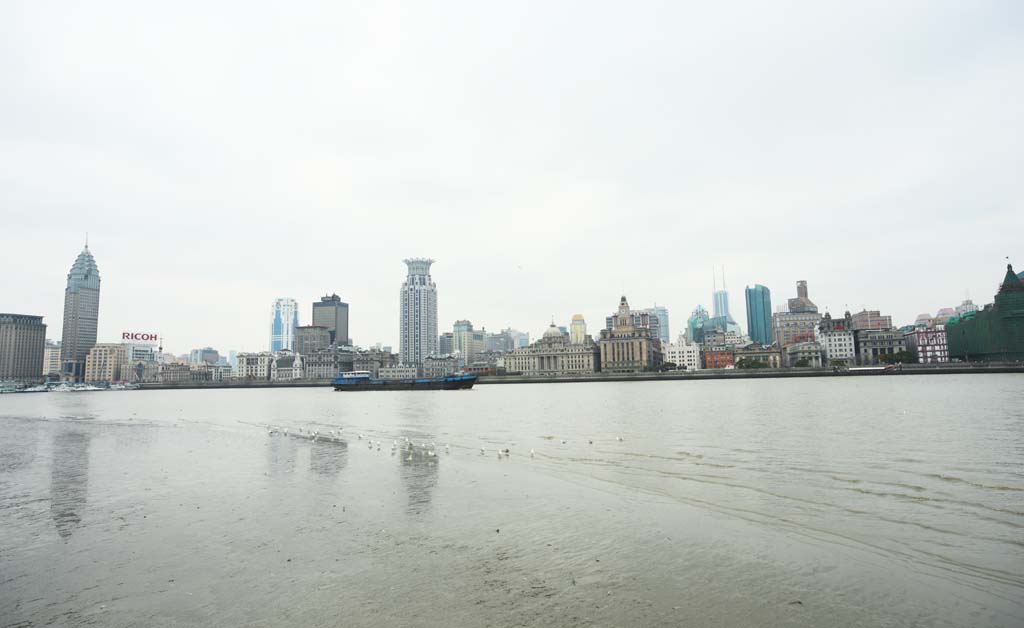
577,330
81,315
759,314
418,315
331,312
662,313
284,318
22,342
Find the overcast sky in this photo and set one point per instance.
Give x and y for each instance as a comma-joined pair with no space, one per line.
549,155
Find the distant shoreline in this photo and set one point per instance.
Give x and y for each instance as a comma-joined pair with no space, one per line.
706,374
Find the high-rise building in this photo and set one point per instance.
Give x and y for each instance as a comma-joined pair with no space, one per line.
802,304
22,342
418,314
578,330
310,338
446,343
646,319
51,358
206,355
759,314
284,318
468,342
661,312
695,324
331,312
81,315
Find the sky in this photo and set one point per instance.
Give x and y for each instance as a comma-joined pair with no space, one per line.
550,156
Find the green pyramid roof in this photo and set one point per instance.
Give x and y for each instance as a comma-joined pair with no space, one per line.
1011,283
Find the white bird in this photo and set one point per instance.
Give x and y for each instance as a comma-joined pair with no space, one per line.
482,451
563,441
618,438
531,453
360,437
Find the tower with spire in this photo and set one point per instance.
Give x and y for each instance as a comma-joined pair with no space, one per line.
81,314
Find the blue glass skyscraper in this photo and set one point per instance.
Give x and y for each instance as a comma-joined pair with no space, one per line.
284,318
759,314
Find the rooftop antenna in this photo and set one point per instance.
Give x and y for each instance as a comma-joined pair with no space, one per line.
723,277
714,280
86,239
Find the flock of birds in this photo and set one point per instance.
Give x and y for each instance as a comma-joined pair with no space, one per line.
408,447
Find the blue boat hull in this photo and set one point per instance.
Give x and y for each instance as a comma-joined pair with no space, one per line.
453,382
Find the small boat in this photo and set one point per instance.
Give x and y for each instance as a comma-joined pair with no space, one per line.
364,380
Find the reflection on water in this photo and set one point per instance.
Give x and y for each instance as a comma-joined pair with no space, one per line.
281,452
69,479
328,457
418,466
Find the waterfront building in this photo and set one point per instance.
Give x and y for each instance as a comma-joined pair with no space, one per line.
924,321
51,359
871,319
398,372
661,313
684,354
928,344
803,354
254,366
578,330
727,339
107,362
373,360
22,347
553,354
331,313
759,314
718,358
286,366
328,362
794,327
284,318
206,355
802,304
876,346
768,356
81,315
645,319
439,365
175,373
995,333
627,348
310,338
836,337
418,313
140,371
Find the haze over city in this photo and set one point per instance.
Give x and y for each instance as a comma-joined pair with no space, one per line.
550,158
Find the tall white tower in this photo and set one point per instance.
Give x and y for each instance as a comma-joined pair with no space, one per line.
418,315
284,318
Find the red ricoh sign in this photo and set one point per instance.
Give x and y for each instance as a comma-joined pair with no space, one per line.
134,335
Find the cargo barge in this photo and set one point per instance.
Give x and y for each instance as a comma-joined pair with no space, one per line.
364,380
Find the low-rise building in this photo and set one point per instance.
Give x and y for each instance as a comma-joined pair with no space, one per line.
836,337
553,354
176,372
718,357
877,346
803,354
106,362
794,327
286,366
769,357
929,346
51,359
871,319
373,360
439,365
685,355
254,366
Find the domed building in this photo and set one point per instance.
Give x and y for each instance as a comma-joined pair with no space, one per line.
554,354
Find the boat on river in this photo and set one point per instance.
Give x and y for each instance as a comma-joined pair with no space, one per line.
364,380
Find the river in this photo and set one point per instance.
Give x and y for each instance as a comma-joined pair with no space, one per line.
821,502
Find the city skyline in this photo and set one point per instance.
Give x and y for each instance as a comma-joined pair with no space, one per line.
534,193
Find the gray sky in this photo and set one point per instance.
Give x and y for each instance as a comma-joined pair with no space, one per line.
549,155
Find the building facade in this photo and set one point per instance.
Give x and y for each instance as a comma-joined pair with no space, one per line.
802,303
398,372
626,348
769,357
286,367
331,313
439,365
553,354
22,347
807,354
871,319
718,358
284,318
254,366
759,314
206,355
578,330
446,343
995,333
661,313
793,327
310,338
640,319
467,342
418,313
685,355
51,359
929,346
836,337
81,315
107,363
875,346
